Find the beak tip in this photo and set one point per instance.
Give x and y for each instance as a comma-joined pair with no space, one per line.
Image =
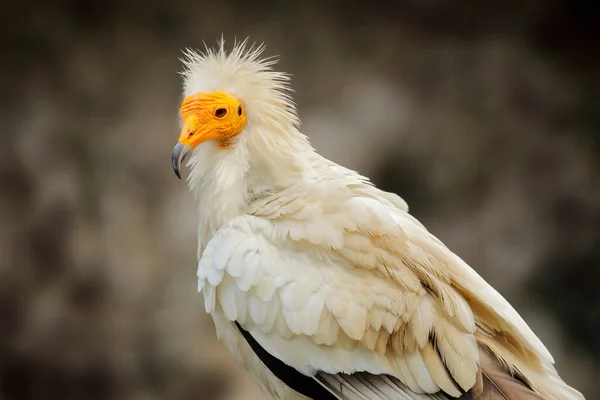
175,164
179,153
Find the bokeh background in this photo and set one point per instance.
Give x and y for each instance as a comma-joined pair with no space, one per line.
483,115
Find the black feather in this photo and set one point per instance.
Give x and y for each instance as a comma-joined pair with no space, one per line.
301,383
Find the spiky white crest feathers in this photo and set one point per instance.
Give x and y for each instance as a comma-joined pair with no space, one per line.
243,73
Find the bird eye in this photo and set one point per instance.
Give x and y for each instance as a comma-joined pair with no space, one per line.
220,113
239,110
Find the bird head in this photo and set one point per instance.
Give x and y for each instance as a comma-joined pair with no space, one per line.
236,110
217,116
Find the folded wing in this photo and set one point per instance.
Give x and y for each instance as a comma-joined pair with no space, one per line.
354,292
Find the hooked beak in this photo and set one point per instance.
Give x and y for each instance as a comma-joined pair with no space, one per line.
180,151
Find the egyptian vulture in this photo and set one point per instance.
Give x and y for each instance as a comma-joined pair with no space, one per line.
321,285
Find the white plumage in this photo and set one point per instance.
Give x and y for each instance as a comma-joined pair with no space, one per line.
326,272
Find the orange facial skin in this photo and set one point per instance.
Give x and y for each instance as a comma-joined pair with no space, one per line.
214,116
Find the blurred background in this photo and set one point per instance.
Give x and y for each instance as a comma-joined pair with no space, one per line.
483,115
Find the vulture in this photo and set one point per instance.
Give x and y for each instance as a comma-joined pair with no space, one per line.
321,285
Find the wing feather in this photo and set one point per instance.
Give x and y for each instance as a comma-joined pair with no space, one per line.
336,284
362,386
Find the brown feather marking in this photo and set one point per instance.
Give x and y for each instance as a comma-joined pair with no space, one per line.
497,383
371,337
401,342
502,355
487,321
382,341
477,389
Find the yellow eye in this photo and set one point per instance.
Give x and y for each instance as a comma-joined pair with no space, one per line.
220,113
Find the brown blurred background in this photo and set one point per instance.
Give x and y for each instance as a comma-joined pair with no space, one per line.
483,115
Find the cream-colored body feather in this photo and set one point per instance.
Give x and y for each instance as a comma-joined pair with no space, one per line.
330,274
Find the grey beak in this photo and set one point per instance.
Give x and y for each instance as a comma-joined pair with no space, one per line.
180,151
